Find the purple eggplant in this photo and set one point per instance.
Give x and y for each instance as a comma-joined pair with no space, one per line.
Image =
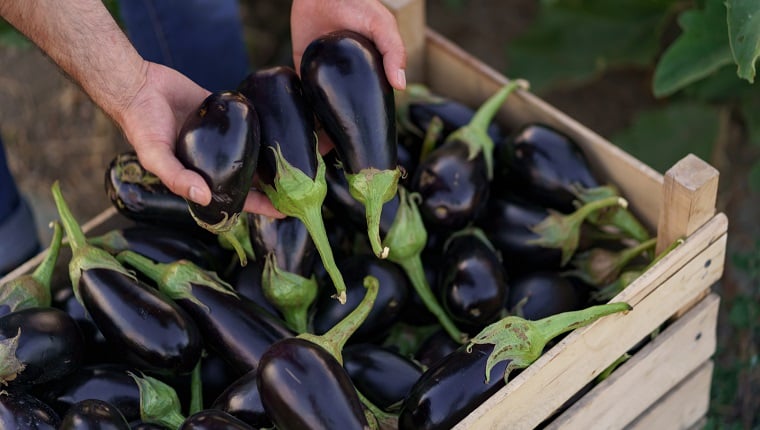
38,345
22,411
457,384
241,399
246,281
213,419
433,348
454,180
143,324
93,414
231,326
542,294
344,81
473,283
220,141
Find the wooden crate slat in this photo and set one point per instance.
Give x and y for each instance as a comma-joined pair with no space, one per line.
563,370
637,384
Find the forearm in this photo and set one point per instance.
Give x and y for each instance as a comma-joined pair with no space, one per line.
84,40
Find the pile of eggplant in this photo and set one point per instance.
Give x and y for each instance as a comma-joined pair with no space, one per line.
422,263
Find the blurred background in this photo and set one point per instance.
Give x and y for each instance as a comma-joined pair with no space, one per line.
600,62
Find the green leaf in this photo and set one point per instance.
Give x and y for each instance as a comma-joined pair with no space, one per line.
573,40
721,86
662,136
744,35
701,49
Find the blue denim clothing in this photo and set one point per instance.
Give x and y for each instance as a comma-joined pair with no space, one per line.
9,197
203,39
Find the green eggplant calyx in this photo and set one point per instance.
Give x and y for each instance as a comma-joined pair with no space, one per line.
432,135
522,341
83,255
377,416
373,188
407,235
291,293
224,225
296,194
617,216
10,365
413,93
159,403
334,339
130,171
563,231
475,133
112,241
239,240
599,266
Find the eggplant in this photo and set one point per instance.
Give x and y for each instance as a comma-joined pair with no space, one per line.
38,345
231,326
220,141
473,282
383,375
387,308
107,382
22,411
246,281
93,414
33,289
135,319
454,180
545,166
291,170
213,419
541,294
302,383
142,425
457,384
141,197
241,399
507,222
436,346
345,83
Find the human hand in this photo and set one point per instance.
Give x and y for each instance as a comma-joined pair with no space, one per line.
151,123
310,19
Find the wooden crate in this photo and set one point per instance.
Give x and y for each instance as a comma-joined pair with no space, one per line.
664,385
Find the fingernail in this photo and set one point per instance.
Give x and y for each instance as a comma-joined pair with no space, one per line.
196,195
401,75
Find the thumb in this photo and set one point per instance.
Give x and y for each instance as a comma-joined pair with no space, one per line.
160,160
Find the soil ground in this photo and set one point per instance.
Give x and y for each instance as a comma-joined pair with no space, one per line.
52,131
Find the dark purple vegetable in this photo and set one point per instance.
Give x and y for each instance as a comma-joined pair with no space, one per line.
22,411
93,414
541,294
246,281
140,196
134,318
220,141
382,375
345,83
544,166
231,325
454,179
38,345
242,400
435,347
454,386
33,289
142,425
302,383
387,308
291,170
473,283
213,419
107,382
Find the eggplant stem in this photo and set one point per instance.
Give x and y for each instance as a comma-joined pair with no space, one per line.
373,188
291,293
312,219
233,241
196,389
74,232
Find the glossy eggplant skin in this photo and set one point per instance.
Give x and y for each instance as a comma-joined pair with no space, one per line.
233,327
107,382
345,83
247,283
435,347
452,113
387,309
542,294
141,196
220,141
451,389
242,400
22,411
302,386
288,238
507,222
454,188
49,345
383,376
473,283
143,324
93,414
98,350
285,119
543,165
213,419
